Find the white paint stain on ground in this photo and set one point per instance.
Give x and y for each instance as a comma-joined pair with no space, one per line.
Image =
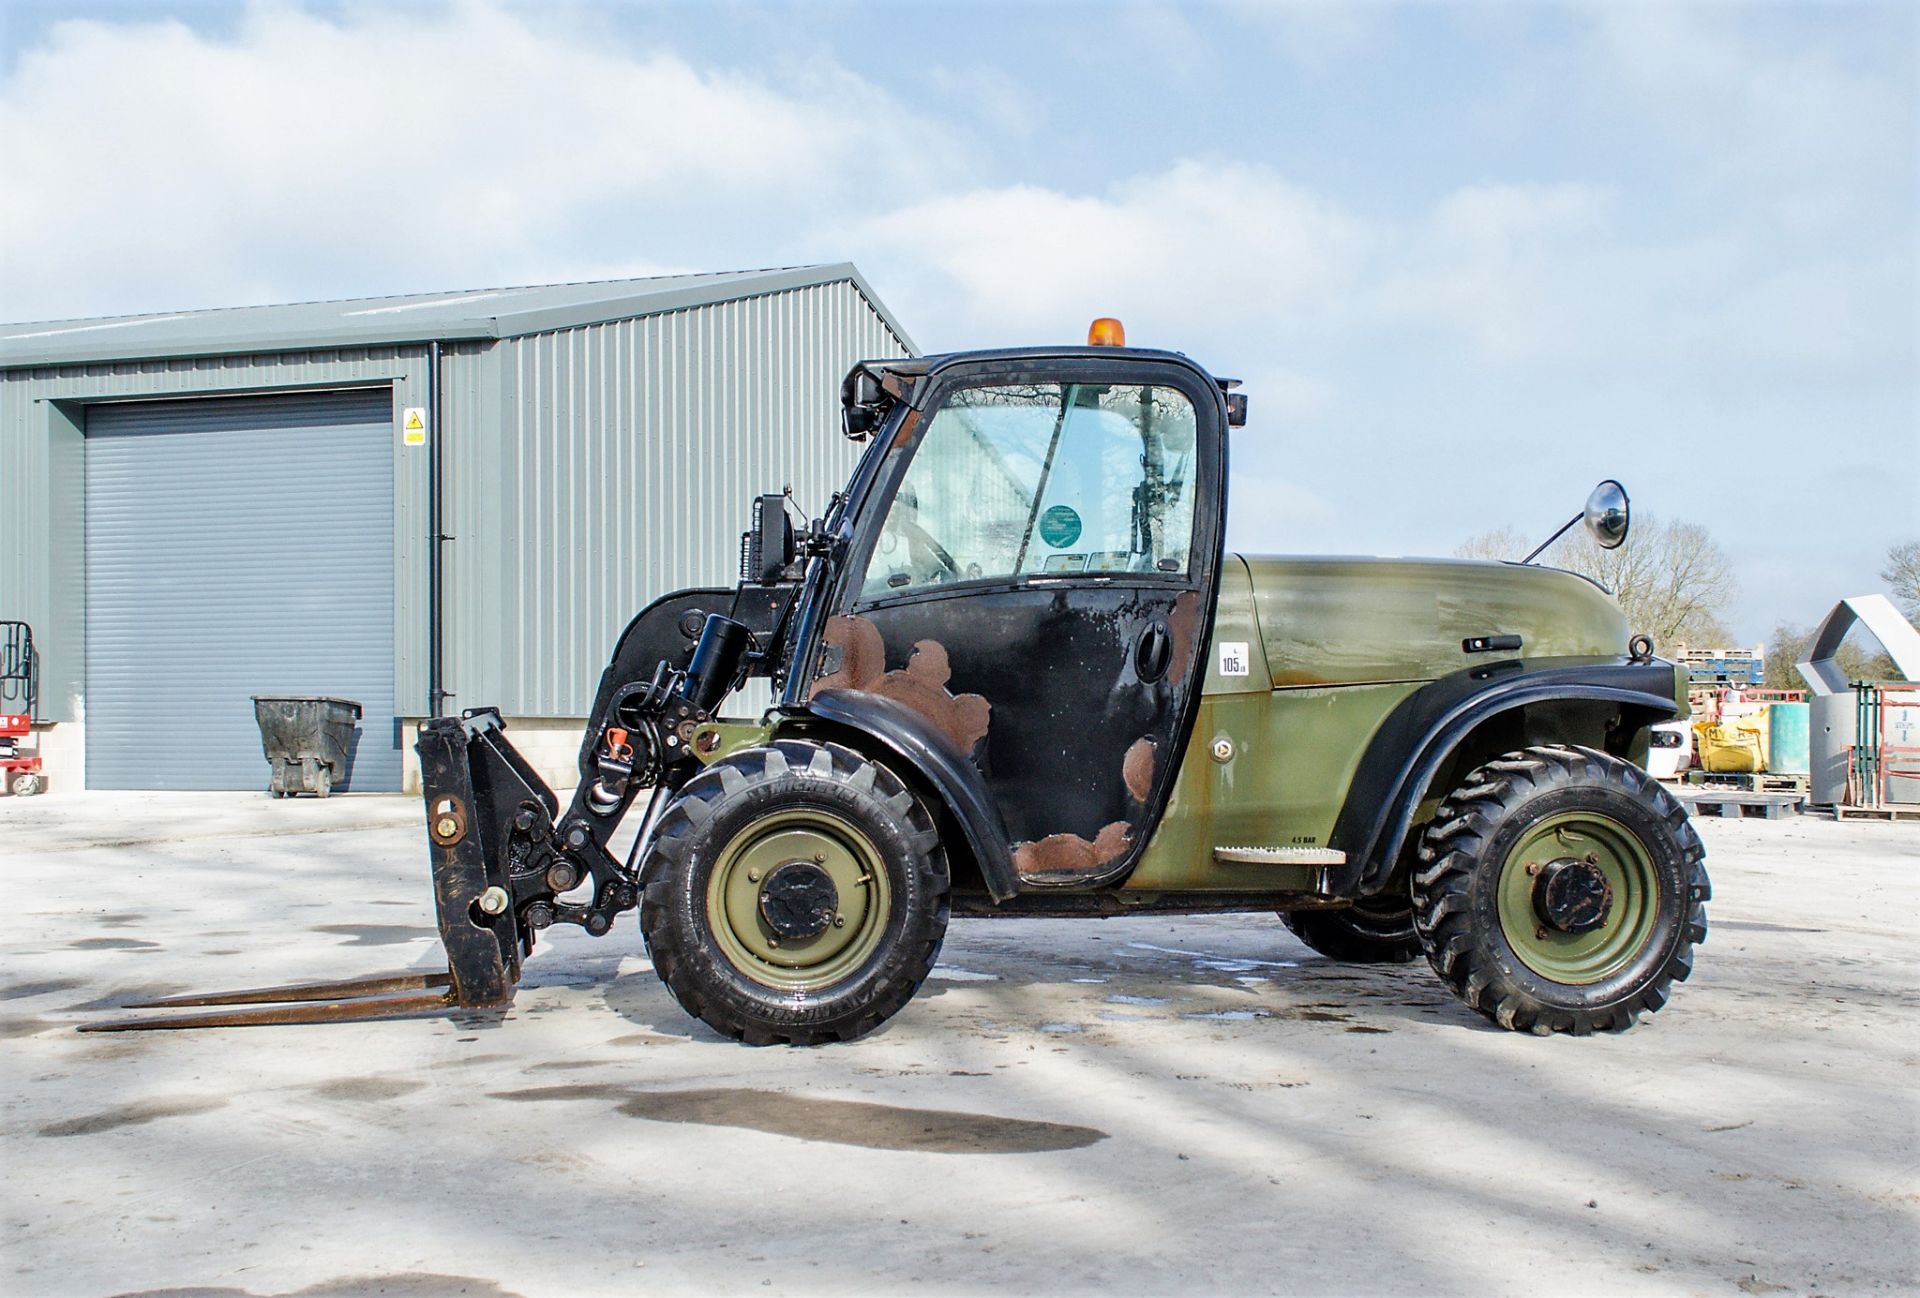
632,964
1089,980
1230,1016
1219,963
955,974
1121,998
1061,1027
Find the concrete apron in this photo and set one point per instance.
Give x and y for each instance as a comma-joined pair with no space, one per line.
1068,1106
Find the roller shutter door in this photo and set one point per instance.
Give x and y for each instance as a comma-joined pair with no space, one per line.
236,547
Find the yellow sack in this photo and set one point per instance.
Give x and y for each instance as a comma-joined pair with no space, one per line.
1731,749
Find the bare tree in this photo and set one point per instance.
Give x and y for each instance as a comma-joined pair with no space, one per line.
1902,575
1671,578
1500,543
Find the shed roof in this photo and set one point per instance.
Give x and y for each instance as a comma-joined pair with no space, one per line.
414,317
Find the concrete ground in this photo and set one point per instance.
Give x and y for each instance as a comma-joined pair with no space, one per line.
1119,1106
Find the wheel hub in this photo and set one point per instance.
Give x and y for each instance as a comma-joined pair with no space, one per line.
798,900
1573,895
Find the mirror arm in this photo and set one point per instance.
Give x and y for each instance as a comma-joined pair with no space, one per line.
1550,540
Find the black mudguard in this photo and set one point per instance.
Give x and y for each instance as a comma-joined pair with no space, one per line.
664,631
1414,742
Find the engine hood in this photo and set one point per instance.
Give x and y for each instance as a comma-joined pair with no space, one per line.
1351,621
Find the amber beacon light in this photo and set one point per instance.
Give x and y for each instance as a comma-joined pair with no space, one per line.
1106,332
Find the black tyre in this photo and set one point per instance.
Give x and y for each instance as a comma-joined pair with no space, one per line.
1560,889
796,892
1374,930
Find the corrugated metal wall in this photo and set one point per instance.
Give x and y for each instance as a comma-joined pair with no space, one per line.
589,470
592,470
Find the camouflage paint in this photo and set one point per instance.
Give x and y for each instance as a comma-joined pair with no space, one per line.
921,685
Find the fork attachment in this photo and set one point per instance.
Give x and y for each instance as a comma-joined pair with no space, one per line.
505,855
497,866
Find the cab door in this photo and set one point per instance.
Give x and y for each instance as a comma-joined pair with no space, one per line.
1034,574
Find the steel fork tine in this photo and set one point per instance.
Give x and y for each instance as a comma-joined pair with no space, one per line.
365,1009
380,984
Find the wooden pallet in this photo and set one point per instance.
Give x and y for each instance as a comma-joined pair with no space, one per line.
1747,782
1896,813
1764,806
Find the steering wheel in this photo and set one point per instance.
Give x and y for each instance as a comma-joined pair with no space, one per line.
919,543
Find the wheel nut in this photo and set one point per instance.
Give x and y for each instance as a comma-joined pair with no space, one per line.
493,901
819,858
839,921
753,876
1533,867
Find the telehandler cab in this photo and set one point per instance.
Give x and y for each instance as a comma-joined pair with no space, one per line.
1015,672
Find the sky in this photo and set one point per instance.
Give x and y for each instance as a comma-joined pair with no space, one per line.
1468,259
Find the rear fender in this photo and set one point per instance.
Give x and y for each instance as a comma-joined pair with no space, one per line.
1413,744
913,742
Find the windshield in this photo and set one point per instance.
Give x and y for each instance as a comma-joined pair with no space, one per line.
1016,480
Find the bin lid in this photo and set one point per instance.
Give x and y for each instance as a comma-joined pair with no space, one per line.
307,698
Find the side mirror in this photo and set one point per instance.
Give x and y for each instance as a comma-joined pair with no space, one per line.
1607,515
860,403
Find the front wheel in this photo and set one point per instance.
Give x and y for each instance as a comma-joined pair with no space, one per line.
795,892
1560,889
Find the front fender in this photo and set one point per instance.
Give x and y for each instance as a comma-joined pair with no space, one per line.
915,742
1417,737
664,631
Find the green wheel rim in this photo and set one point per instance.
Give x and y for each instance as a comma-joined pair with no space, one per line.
1578,958
859,877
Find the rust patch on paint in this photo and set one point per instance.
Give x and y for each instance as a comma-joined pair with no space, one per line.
1298,679
1062,858
920,686
1184,624
1137,769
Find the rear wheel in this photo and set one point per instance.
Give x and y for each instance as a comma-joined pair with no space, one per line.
1374,930
26,784
1561,889
796,892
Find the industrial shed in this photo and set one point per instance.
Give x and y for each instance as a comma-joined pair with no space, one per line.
210,505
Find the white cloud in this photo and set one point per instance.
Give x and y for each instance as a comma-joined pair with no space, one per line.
1507,266
400,147
1170,252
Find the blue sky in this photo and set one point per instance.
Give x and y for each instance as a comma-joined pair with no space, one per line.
1468,258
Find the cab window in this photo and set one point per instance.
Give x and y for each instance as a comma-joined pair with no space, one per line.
1042,479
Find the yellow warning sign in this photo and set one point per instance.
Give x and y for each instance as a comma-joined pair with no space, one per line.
413,425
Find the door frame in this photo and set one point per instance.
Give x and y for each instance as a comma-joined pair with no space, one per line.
902,439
